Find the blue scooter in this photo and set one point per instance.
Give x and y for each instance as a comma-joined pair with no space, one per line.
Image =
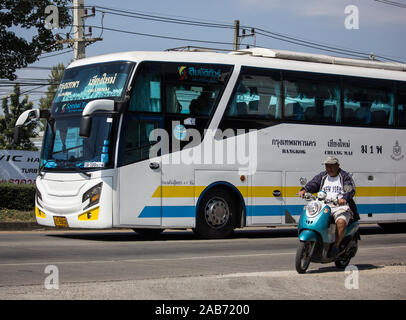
317,230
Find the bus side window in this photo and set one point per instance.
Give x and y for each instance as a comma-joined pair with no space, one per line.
194,100
137,143
368,106
256,96
311,100
402,109
146,94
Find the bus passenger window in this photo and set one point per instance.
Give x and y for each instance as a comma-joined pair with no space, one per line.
368,106
146,94
311,100
193,100
402,109
256,96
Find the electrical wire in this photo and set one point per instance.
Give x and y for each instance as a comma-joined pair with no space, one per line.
392,3
162,36
277,36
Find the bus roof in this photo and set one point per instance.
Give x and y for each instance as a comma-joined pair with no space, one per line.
265,58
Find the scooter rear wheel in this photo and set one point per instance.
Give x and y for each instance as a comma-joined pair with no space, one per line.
344,260
303,255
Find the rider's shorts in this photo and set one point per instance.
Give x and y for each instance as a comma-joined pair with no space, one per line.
346,215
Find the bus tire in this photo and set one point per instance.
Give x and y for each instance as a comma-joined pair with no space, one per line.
146,233
216,215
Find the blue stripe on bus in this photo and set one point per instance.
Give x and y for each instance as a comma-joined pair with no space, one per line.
168,212
265,210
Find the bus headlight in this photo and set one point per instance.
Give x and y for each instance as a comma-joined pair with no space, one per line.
37,194
93,195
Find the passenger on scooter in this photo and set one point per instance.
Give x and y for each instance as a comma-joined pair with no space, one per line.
337,183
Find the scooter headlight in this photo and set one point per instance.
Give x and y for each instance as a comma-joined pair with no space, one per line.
312,209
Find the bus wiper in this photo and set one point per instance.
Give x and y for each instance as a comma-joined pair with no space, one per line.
42,168
40,173
77,169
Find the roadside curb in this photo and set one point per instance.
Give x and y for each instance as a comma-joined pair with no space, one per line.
33,226
23,226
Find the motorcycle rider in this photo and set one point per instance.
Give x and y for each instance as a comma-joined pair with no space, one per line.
337,183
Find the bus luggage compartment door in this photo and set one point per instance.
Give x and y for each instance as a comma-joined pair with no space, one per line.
266,198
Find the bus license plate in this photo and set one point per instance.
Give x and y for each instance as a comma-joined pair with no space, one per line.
61,222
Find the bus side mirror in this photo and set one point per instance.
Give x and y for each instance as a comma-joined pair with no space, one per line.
85,126
122,106
25,118
17,134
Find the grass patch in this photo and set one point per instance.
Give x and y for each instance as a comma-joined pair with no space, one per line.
11,215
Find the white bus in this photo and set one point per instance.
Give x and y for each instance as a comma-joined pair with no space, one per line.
217,141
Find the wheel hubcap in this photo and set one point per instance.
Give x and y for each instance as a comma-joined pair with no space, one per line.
217,213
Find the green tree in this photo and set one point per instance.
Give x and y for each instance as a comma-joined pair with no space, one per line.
22,17
8,121
54,79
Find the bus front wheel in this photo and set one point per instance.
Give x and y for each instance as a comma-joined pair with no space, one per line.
216,215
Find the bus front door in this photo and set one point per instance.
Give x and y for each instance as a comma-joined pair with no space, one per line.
140,177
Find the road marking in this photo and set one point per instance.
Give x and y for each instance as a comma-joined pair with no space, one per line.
152,259
178,258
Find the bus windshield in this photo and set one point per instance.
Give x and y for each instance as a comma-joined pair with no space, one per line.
64,149
79,85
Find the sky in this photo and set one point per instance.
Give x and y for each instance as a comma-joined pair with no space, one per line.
380,29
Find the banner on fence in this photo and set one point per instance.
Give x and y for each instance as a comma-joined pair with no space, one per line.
19,167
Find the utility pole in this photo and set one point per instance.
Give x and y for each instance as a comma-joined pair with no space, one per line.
79,37
79,44
238,37
236,42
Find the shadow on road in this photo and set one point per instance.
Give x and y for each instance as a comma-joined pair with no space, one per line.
331,268
270,233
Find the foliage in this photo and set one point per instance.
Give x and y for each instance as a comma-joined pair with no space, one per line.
19,17
7,122
54,79
11,215
17,197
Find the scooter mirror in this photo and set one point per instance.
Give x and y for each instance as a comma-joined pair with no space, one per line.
321,195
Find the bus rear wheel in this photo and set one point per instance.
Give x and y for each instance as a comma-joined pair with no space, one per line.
216,215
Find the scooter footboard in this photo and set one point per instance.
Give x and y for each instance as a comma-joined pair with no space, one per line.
308,235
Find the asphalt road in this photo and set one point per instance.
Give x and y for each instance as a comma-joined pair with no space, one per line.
254,264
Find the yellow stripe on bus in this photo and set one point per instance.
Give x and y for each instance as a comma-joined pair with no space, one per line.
267,191
380,192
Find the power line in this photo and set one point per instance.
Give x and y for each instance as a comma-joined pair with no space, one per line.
140,15
392,3
162,36
56,54
277,36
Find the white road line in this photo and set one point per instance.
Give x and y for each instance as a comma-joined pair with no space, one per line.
152,259
179,258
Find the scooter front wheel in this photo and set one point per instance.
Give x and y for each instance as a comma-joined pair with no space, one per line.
304,255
